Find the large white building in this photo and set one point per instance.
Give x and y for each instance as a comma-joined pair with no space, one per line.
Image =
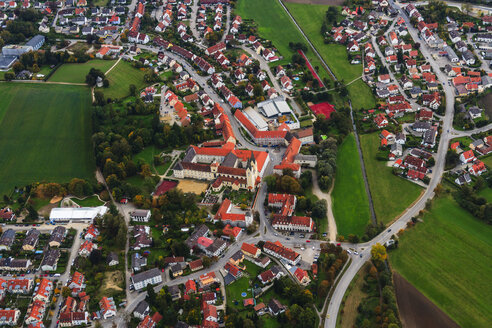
149,277
74,214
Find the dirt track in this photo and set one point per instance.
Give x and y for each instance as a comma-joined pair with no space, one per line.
416,310
318,2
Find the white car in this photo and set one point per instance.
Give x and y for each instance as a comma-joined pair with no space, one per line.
348,251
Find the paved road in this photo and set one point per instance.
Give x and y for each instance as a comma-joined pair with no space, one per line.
457,133
400,223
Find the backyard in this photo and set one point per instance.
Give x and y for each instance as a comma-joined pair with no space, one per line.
75,73
447,257
350,202
391,195
48,128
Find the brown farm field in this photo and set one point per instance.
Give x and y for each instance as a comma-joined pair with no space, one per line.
416,310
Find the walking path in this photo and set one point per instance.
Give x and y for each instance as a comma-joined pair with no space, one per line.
111,68
332,225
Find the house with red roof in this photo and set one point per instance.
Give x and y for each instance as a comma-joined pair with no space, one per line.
292,223
250,250
231,231
281,252
301,276
86,248
467,157
477,168
230,214
286,203
190,287
43,290
9,317
381,120
108,307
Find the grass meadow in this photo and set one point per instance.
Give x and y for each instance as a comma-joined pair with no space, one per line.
120,78
350,202
310,18
45,133
448,257
274,24
75,73
391,195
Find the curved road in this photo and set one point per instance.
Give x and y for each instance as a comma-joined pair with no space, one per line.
400,223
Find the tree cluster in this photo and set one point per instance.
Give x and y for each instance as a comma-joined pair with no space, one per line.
93,75
379,308
331,261
119,134
467,198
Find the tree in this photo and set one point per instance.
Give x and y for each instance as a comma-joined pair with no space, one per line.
133,89
9,76
99,98
66,292
378,253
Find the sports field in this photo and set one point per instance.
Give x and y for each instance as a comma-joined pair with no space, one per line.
391,195
120,78
350,202
45,133
310,18
274,24
448,258
75,73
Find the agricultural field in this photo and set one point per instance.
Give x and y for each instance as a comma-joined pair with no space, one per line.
350,202
274,24
120,78
310,18
447,258
75,73
45,133
391,195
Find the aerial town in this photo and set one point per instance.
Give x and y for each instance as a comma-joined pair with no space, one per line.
245,163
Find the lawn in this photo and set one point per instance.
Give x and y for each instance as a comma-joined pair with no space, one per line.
391,195
120,78
234,291
91,201
487,194
487,160
274,24
75,73
147,156
350,202
45,133
448,257
310,18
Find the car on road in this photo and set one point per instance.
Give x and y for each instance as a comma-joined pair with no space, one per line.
338,244
360,255
313,248
288,238
308,241
356,253
389,230
276,234
302,235
348,251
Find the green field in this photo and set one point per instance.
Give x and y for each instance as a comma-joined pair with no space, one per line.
487,194
448,258
120,78
75,73
310,18
274,24
90,201
350,202
391,195
45,134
